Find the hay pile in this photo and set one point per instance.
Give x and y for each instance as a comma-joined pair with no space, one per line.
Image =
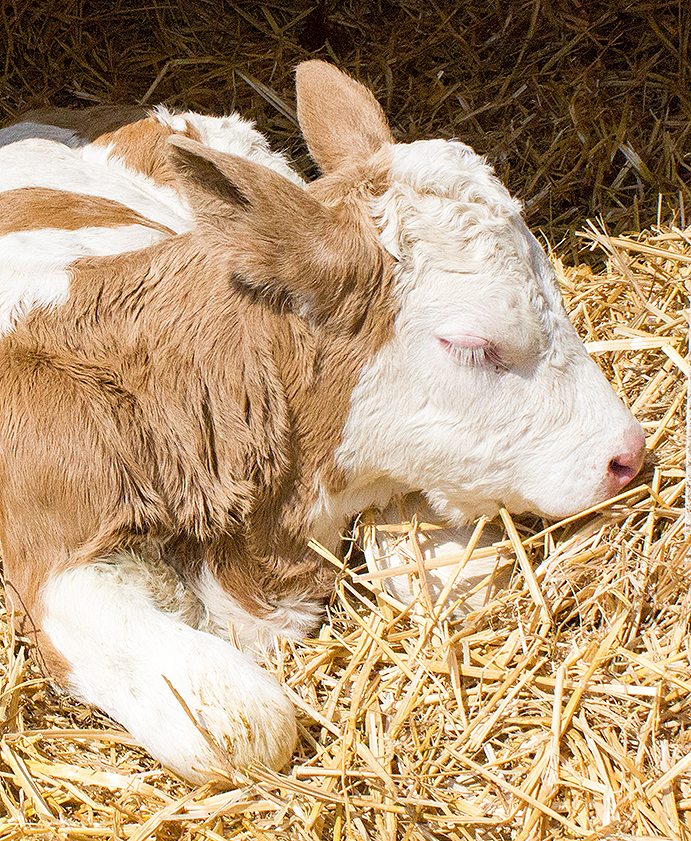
559,708
584,108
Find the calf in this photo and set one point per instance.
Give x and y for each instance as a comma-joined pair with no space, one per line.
183,407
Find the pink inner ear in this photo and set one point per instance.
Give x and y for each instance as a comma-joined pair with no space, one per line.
469,342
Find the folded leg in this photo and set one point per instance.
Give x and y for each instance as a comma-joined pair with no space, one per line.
194,701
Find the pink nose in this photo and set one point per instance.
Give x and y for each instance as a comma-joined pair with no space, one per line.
626,464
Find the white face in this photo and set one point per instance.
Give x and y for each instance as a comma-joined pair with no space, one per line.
486,395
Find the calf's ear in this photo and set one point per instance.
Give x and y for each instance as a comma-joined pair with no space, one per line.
340,119
279,240
213,181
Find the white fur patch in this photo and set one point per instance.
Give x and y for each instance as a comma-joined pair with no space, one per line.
233,135
34,264
33,267
330,513
89,170
291,620
125,654
389,549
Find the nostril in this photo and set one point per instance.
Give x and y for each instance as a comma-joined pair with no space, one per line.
628,461
623,467
622,470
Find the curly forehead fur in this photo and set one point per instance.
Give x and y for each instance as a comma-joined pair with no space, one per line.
446,180
453,170
445,210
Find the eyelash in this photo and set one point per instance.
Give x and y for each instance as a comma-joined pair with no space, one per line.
474,357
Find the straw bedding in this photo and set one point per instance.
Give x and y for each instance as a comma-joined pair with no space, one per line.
557,706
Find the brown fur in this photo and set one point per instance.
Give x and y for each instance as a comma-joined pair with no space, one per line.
136,139
192,395
34,208
327,98
142,146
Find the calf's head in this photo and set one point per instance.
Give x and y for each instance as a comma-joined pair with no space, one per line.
484,395
481,394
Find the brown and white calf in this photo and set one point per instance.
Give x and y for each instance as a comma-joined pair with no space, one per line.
204,362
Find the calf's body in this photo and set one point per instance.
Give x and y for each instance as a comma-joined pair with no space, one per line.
180,429
181,408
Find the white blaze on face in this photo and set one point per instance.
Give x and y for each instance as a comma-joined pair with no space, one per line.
486,395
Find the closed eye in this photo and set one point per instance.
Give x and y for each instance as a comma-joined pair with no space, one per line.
475,353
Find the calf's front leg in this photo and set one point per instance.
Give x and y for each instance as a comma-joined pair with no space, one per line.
132,659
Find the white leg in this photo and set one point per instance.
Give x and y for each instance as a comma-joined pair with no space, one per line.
123,650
